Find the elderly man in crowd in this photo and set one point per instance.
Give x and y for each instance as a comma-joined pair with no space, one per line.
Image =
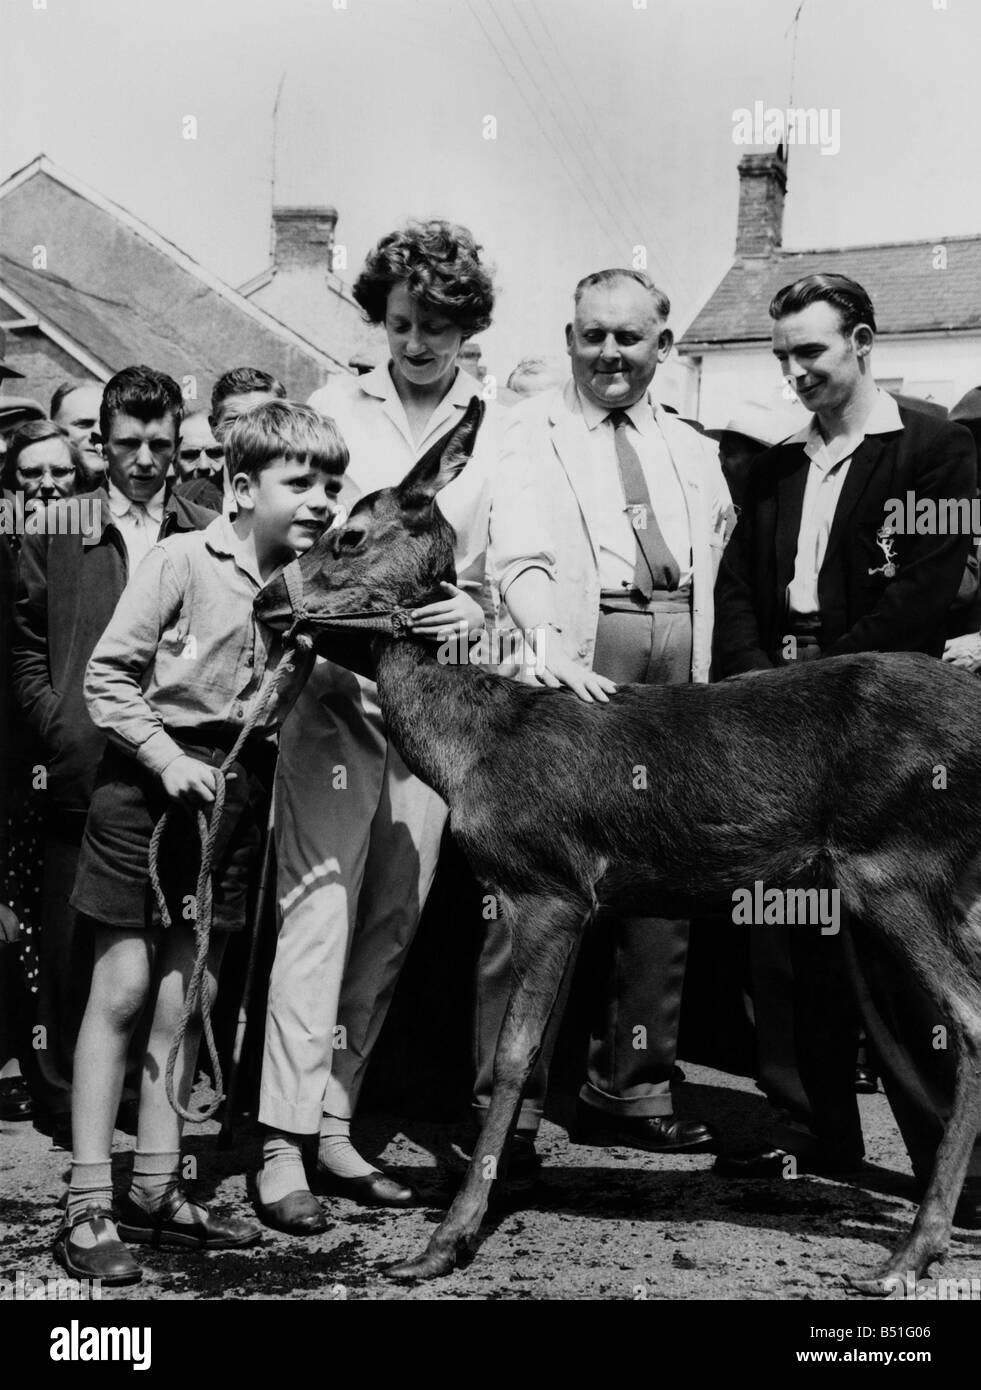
76,409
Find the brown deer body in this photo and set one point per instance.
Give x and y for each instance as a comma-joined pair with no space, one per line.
821,775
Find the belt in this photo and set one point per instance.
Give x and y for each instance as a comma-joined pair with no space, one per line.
632,601
806,626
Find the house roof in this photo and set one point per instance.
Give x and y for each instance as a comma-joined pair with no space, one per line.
121,293
910,294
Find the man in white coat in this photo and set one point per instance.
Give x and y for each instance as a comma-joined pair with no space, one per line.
638,513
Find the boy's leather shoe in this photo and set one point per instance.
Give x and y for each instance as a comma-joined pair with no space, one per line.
658,1134
108,1259
768,1161
375,1189
206,1232
298,1214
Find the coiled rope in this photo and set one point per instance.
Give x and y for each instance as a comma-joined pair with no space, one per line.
197,995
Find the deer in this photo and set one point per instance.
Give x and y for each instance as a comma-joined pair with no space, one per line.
818,773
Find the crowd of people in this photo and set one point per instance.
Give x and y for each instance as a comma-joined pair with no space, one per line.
137,685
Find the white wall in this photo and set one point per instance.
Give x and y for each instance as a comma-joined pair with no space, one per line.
940,369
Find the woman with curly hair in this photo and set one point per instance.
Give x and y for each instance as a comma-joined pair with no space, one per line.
357,835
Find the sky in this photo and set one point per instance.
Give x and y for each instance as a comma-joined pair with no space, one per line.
610,121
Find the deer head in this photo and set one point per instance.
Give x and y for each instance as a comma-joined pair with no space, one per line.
389,556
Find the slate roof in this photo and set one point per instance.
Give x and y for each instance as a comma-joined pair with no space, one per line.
910,295
124,294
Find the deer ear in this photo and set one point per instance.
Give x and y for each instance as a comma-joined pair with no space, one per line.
440,464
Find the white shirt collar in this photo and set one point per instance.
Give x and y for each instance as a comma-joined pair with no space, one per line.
378,382
641,414
120,505
221,538
884,418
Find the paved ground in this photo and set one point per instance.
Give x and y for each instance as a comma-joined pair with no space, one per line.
601,1224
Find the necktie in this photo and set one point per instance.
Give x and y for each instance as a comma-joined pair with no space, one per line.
142,532
655,566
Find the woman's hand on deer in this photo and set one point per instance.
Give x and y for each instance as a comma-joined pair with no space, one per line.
964,652
457,614
554,668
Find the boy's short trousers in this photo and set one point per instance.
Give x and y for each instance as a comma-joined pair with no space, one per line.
112,884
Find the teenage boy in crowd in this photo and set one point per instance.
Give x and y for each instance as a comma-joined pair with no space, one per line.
68,586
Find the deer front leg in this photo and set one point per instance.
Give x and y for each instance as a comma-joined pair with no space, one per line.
544,932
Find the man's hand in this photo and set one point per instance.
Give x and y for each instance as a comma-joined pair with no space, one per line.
190,782
560,669
964,652
457,614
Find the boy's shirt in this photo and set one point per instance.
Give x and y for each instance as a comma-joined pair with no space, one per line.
183,651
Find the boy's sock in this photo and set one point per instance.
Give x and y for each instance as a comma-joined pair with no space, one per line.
155,1176
282,1167
90,1183
337,1155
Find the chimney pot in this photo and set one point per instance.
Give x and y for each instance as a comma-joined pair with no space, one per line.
303,238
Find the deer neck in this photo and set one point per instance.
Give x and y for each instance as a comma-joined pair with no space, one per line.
432,712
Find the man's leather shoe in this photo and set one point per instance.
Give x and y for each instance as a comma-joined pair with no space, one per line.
298,1214
771,1162
866,1080
654,1133
375,1189
205,1232
15,1099
108,1259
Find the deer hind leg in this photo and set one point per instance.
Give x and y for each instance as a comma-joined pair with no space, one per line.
544,933
920,938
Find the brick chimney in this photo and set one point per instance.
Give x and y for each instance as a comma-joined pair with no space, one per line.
762,189
303,238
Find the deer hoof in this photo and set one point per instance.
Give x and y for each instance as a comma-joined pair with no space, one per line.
431,1265
892,1278
874,1286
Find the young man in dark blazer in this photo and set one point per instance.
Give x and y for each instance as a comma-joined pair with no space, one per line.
844,544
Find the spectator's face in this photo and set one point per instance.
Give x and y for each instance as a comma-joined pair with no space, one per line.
615,343
139,452
234,406
423,342
821,363
45,471
78,414
200,454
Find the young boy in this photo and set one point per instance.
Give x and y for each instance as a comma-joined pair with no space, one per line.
172,682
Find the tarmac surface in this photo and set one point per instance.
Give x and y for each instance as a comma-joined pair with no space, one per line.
599,1224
